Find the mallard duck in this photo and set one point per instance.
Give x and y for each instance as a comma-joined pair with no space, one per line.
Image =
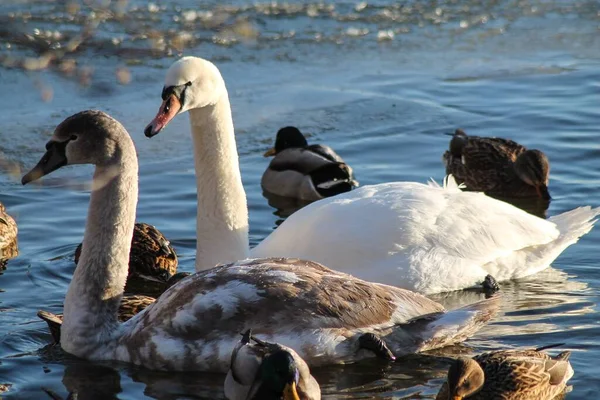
498,167
152,260
303,171
8,235
529,374
268,371
327,317
416,236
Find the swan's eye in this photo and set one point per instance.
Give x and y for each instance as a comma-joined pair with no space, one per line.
73,137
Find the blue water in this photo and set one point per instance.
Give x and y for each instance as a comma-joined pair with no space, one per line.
526,70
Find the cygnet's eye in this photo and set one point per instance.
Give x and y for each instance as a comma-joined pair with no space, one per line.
73,137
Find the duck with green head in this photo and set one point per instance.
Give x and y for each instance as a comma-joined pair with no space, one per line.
303,171
268,371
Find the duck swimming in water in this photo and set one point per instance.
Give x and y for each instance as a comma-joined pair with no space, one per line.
529,374
498,167
306,172
268,371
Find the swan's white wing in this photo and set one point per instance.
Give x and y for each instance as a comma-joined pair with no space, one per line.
411,235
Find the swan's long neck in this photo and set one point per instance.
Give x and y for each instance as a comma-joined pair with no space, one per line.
222,222
94,295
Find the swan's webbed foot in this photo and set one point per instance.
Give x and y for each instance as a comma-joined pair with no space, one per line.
490,285
374,343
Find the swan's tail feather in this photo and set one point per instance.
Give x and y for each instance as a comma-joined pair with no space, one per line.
443,329
432,183
449,183
575,223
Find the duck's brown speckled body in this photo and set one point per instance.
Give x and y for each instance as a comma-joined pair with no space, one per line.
8,235
152,260
508,375
499,167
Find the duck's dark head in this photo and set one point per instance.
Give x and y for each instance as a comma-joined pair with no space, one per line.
533,168
287,138
278,376
458,142
465,378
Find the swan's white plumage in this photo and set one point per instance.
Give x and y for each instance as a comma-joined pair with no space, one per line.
424,238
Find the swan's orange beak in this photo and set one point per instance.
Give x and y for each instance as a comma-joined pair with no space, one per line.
168,109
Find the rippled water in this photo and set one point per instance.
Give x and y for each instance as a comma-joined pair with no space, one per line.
378,81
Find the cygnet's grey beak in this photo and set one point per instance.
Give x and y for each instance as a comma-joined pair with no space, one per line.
54,158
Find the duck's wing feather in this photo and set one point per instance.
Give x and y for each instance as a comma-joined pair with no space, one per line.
414,236
151,253
325,151
301,160
484,162
524,371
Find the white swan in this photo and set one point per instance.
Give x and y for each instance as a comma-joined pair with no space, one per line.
419,237
325,316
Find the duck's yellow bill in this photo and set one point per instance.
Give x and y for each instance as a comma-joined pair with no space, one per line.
290,393
270,152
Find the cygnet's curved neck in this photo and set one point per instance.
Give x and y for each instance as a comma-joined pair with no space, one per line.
94,295
222,221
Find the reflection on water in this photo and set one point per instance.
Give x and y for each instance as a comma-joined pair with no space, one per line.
379,81
284,206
